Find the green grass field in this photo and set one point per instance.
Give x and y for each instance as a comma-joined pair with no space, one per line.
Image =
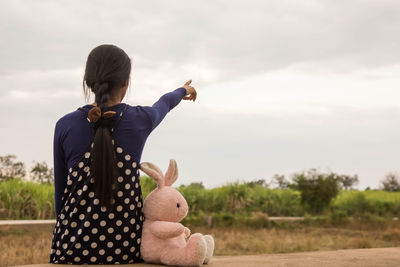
234,203
26,200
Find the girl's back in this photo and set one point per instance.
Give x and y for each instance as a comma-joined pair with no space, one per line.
97,152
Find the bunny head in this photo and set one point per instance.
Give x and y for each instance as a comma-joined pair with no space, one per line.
164,203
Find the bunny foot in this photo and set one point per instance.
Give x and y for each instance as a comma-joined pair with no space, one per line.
198,243
193,254
210,248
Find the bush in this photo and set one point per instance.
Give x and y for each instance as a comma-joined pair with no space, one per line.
317,189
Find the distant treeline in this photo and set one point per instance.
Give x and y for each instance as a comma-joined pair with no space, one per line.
233,203
311,193
40,172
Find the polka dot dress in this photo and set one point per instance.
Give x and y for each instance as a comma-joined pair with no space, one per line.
87,233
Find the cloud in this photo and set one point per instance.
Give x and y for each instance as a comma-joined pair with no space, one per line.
283,85
235,38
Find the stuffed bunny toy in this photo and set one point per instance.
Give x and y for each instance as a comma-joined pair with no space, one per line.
163,237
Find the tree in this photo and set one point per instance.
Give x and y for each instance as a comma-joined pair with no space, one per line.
259,182
391,182
347,182
317,189
280,181
41,173
10,169
198,185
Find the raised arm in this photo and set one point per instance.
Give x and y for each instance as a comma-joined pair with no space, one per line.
168,101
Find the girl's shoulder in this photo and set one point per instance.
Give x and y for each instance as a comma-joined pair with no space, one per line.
72,116
138,115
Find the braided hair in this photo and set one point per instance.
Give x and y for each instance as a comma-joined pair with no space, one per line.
108,68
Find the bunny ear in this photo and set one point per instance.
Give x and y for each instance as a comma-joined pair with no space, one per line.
172,173
154,172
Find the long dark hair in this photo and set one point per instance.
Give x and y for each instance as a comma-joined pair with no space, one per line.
108,68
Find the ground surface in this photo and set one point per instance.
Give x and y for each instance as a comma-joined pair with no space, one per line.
289,244
350,257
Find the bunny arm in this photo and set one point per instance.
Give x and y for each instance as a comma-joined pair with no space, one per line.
187,232
164,230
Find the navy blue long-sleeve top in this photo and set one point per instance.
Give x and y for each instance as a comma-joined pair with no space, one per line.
73,134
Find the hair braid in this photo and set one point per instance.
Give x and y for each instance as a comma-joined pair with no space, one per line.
108,68
104,177
102,95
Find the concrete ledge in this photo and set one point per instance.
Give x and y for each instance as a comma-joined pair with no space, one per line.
350,257
53,221
21,222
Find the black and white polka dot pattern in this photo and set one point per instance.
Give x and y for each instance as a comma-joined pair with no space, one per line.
85,232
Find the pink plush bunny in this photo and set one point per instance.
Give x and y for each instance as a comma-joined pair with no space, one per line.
163,237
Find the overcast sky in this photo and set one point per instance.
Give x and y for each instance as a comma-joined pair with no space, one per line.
283,86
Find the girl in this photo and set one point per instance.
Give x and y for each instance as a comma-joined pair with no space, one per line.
97,151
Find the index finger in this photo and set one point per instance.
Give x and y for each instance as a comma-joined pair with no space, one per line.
188,82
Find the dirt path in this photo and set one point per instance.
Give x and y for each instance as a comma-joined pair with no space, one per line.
350,257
